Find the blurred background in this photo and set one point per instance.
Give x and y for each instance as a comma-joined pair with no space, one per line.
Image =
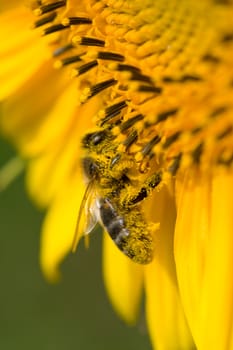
74,314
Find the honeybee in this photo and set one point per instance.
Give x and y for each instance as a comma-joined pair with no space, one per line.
112,200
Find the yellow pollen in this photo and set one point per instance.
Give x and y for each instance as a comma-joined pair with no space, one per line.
57,64
76,40
37,12
65,21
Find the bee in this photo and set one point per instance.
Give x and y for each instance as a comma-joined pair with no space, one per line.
111,198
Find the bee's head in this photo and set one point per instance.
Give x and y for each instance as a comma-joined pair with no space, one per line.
94,139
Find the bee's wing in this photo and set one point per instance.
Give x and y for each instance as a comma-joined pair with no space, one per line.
87,217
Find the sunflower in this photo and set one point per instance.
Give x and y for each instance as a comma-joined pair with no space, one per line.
137,95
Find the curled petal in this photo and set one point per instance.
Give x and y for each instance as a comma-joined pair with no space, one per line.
166,320
123,280
59,227
191,239
216,306
203,252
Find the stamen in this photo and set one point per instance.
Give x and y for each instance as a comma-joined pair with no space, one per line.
171,139
188,77
218,111
50,7
196,130
141,77
68,60
211,58
96,89
111,56
145,88
175,165
130,122
45,20
127,67
87,41
112,111
227,37
147,149
60,50
102,86
183,79
130,139
54,28
225,133
70,21
196,154
84,68
164,115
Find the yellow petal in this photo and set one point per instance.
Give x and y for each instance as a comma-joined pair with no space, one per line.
191,239
51,168
5,4
53,130
27,108
204,244
47,173
123,281
166,320
216,307
59,227
21,52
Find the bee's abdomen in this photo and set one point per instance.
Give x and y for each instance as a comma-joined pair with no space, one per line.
133,242
113,222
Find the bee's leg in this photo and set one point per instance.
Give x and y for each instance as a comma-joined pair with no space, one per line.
120,165
148,186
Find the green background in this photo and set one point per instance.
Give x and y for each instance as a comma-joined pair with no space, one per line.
74,314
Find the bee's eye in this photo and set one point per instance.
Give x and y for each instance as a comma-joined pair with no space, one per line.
90,167
93,138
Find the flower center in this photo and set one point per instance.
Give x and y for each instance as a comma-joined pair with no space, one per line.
163,71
